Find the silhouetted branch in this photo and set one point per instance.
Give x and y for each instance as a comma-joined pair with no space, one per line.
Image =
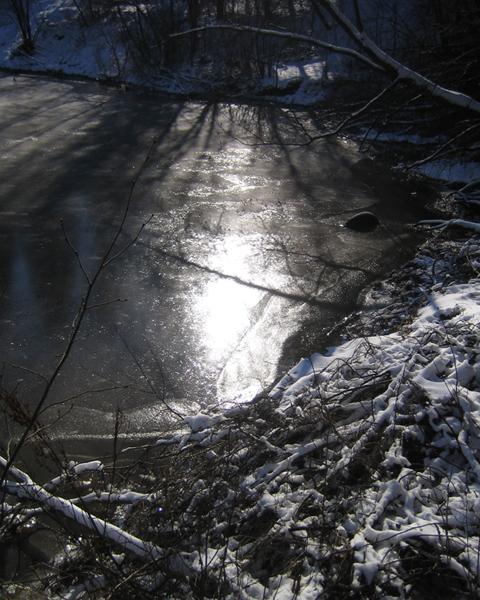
296,37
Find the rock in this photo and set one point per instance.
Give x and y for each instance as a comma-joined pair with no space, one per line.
363,221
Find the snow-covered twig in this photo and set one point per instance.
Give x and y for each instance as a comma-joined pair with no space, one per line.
74,469
444,224
26,489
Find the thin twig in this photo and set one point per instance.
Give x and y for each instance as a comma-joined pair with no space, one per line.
76,254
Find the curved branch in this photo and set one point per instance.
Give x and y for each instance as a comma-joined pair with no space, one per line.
354,115
288,35
443,224
441,148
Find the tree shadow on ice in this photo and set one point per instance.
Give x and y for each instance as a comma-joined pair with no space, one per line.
114,138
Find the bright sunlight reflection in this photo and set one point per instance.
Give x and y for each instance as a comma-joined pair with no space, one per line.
225,305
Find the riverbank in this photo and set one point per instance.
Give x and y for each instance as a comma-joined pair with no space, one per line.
68,44
357,474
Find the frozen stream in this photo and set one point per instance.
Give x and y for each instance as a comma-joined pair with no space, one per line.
241,270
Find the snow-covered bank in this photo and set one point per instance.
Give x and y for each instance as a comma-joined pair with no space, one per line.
64,44
372,456
359,473
403,411
362,467
451,170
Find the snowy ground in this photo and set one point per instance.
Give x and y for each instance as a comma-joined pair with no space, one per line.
65,45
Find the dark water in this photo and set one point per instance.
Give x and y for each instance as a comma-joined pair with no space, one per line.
240,271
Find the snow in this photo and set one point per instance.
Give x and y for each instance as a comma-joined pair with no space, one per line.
399,138
126,497
307,77
84,589
201,421
73,470
458,306
60,41
434,357
65,45
450,170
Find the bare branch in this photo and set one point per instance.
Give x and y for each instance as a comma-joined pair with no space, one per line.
106,303
364,109
75,252
150,383
444,224
296,37
442,147
131,243
27,370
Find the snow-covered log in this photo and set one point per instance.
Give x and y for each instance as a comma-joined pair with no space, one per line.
443,224
26,489
105,530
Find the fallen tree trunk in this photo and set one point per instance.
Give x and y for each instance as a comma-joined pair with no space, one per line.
26,489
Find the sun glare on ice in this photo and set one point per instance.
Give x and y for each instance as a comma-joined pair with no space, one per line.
225,305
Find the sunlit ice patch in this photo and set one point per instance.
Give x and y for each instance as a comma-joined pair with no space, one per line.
224,307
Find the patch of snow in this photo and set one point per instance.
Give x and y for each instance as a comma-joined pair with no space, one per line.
65,45
200,422
396,137
450,170
307,79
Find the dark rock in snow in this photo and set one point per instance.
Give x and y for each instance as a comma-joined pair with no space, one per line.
363,221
